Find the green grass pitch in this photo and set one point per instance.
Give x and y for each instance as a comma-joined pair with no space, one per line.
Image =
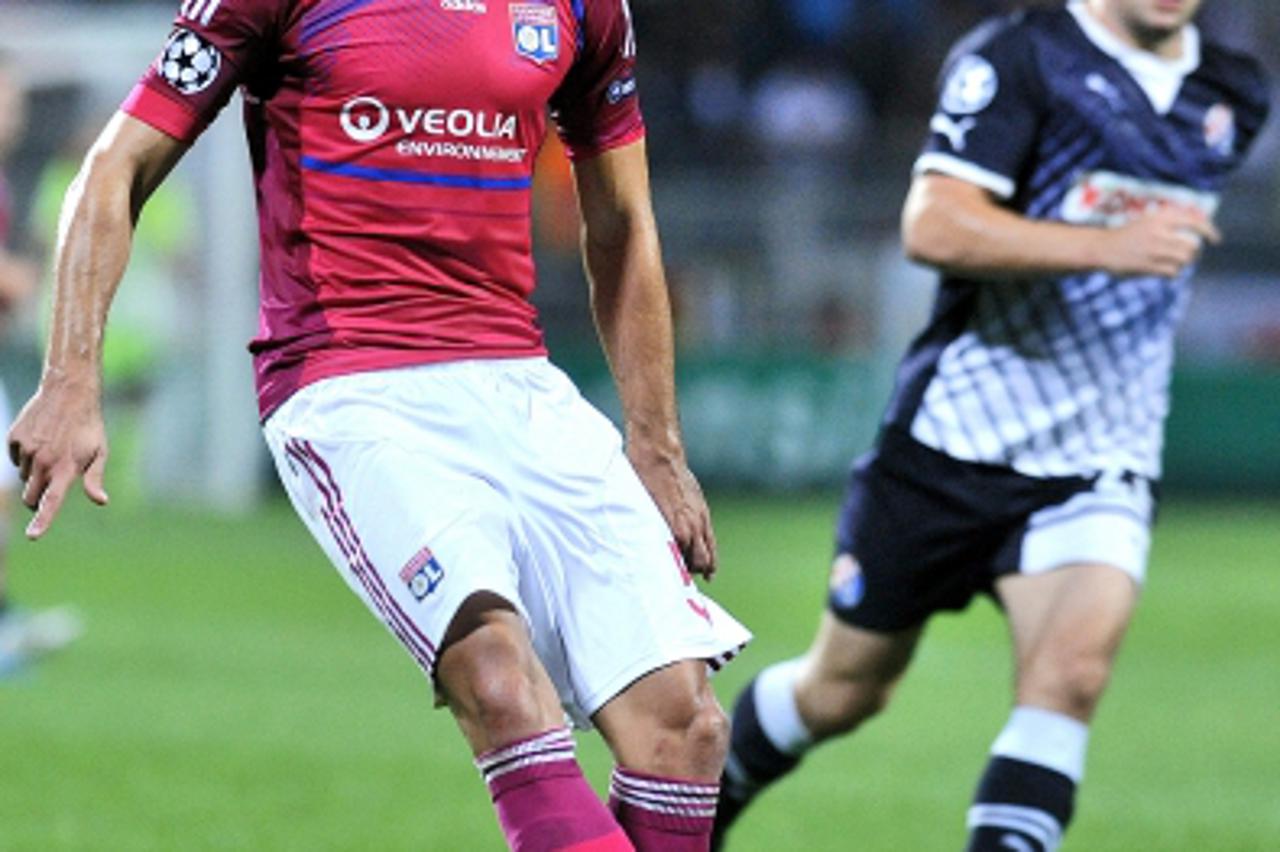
231,694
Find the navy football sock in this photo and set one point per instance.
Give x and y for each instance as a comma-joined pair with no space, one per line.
1027,794
767,742
1020,807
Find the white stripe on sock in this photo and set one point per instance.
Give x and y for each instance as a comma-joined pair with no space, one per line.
1045,738
1032,822
775,696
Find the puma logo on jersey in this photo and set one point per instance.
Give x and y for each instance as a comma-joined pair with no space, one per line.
955,131
199,10
1102,87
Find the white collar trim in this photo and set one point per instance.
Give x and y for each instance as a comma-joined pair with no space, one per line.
1160,78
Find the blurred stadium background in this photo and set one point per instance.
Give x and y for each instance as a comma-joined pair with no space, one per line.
229,695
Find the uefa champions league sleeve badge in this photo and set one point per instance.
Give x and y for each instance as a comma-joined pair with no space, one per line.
189,63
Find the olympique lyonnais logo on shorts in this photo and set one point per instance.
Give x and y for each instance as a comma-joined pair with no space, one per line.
847,585
423,574
535,31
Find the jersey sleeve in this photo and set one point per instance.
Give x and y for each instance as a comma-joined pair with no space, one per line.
213,47
990,108
1254,99
597,108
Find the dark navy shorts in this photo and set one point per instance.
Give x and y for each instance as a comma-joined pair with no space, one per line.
928,532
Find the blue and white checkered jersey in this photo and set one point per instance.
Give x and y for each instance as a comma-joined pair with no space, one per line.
1062,121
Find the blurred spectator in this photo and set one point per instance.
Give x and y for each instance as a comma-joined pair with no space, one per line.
24,635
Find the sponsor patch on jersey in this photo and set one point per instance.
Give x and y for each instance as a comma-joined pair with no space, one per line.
621,89
188,62
971,86
1110,199
846,584
535,31
422,574
364,119
1220,129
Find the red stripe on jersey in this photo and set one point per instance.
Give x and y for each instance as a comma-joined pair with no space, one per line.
165,114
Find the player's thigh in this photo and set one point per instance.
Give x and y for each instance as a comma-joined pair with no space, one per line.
1071,583
1069,622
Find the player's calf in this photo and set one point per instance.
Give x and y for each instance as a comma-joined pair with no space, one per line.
846,678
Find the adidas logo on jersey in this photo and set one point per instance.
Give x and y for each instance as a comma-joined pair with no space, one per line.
477,7
199,10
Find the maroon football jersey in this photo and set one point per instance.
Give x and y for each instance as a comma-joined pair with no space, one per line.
393,144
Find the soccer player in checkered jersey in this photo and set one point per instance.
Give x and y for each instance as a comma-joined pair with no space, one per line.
531,564
1065,193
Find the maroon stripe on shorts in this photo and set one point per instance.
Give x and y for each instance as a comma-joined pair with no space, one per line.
348,540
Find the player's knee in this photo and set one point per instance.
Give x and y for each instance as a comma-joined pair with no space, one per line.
489,684
1070,683
708,735
691,737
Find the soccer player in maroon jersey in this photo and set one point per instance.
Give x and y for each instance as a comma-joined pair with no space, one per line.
486,514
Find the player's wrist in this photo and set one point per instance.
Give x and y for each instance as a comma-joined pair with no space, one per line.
1096,249
655,445
84,377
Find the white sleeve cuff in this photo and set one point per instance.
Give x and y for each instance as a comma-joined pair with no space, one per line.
953,166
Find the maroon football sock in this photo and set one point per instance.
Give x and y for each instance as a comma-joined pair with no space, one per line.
663,814
543,801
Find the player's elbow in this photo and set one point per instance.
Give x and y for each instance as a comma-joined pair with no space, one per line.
106,176
929,238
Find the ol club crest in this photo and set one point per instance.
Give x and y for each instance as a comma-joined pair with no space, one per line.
535,31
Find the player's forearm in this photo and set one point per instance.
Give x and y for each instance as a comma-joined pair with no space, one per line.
959,231
633,315
95,233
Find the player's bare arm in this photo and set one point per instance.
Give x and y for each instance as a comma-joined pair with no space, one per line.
633,315
59,436
961,227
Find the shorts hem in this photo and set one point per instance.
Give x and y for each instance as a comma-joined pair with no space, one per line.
648,663
876,625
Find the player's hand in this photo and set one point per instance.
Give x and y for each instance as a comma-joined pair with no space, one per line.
59,437
1163,242
679,497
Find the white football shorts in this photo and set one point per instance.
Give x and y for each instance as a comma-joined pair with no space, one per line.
428,484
